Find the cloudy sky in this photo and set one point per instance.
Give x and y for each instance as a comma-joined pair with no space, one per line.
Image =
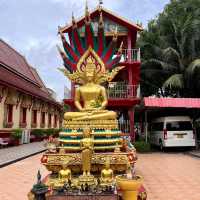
30,26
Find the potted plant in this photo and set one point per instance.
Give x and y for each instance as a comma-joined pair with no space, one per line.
16,136
38,133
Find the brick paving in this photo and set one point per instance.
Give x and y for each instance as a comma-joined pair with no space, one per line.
170,176
17,179
167,176
195,153
12,154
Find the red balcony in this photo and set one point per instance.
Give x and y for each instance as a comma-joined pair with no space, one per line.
120,90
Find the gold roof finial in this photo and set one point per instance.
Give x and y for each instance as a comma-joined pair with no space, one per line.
101,20
100,5
120,48
86,9
87,13
73,20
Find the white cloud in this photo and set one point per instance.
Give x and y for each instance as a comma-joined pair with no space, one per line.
31,28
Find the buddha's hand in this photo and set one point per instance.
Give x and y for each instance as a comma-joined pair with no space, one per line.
87,110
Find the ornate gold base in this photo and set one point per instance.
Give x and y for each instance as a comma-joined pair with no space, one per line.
118,161
93,124
87,179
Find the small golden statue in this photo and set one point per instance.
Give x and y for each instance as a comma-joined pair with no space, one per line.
107,173
65,173
87,144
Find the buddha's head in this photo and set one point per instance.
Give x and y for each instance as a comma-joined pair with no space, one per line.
90,69
107,163
86,132
65,165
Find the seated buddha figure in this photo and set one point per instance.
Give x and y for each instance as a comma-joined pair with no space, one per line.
65,173
107,173
90,93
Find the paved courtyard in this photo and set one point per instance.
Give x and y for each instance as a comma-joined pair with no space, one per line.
12,154
170,176
167,176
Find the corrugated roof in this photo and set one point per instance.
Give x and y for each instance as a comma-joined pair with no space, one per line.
15,62
172,102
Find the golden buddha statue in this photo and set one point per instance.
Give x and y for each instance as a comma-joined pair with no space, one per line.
90,93
65,173
87,144
107,173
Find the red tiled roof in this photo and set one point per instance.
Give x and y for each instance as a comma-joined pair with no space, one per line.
16,72
15,62
106,13
39,80
172,102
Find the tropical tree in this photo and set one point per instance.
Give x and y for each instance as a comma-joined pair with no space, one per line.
171,51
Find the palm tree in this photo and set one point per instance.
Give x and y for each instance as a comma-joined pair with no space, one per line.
173,59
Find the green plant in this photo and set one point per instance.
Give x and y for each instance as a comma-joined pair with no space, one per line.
16,134
38,133
142,146
49,132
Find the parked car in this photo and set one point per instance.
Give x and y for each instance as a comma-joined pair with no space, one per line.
172,131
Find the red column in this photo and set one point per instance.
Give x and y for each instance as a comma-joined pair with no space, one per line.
131,119
129,46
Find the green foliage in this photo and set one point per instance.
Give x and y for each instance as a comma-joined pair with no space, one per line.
65,108
37,133
142,146
171,50
16,134
44,132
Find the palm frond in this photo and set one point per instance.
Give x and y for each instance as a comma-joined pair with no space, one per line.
174,82
159,64
192,70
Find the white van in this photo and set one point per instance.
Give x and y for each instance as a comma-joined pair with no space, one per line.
172,131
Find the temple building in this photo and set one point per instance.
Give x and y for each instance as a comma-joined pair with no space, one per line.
25,102
123,91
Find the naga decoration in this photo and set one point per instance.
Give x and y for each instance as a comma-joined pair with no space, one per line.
90,49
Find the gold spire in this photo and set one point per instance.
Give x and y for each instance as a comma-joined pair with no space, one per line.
86,9
115,33
120,48
87,13
59,49
74,25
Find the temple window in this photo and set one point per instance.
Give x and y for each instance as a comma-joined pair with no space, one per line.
9,113
24,115
49,121
42,119
55,121
34,118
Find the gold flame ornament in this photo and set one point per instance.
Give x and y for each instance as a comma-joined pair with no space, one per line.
89,63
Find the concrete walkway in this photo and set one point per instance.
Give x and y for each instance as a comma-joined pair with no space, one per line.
12,154
195,153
